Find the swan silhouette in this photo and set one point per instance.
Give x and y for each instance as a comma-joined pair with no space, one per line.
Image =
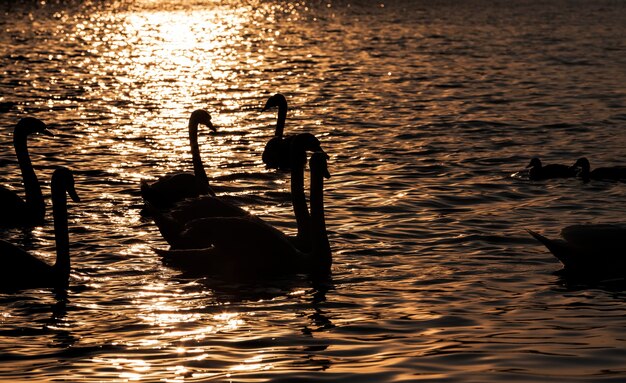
14,210
593,249
540,172
615,173
276,154
175,187
172,222
23,270
245,247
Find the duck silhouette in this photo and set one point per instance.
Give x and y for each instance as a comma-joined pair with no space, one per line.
614,173
21,269
14,211
539,172
175,187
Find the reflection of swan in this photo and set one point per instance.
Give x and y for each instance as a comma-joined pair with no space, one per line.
608,173
247,247
589,249
171,223
538,172
13,210
276,152
178,186
21,269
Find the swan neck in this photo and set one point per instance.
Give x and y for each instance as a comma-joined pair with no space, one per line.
300,209
198,168
280,121
34,198
321,246
61,234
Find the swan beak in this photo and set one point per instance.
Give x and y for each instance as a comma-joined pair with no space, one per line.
213,128
47,133
72,193
323,152
326,174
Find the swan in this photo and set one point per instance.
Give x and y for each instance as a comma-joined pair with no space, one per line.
23,270
591,249
246,247
276,152
175,187
14,210
609,173
539,172
172,222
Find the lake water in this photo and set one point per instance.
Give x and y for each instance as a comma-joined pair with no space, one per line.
426,108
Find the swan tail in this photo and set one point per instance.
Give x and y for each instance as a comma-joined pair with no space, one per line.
559,249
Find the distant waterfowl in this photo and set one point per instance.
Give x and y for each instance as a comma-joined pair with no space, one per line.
13,210
175,187
615,173
276,152
172,222
245,247
23,270
539,172
592,250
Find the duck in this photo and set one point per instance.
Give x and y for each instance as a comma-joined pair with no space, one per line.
245,247
15,210
590,249
276,152
615,173
175,187
539,172
172,222
24,270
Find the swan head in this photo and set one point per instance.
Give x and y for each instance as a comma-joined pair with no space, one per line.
534,163
201,116
64,176
319,163
32,125
274,101
302,143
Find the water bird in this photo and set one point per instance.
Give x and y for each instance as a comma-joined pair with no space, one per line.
592,249
175,187
21,269
540,172
245,247
13,210
172,222
276,152
615,173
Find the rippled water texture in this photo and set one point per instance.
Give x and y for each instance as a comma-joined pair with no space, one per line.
426,107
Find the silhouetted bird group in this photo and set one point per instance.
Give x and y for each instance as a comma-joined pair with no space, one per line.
592,250
208,234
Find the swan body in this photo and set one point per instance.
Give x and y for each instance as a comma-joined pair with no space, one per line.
540,172
171,223
615,173
249,247
276,154
21,269
172,188
13,210
594,249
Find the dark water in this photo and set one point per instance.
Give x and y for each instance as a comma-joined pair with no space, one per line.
427,108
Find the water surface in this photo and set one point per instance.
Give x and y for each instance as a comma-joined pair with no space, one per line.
426,108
